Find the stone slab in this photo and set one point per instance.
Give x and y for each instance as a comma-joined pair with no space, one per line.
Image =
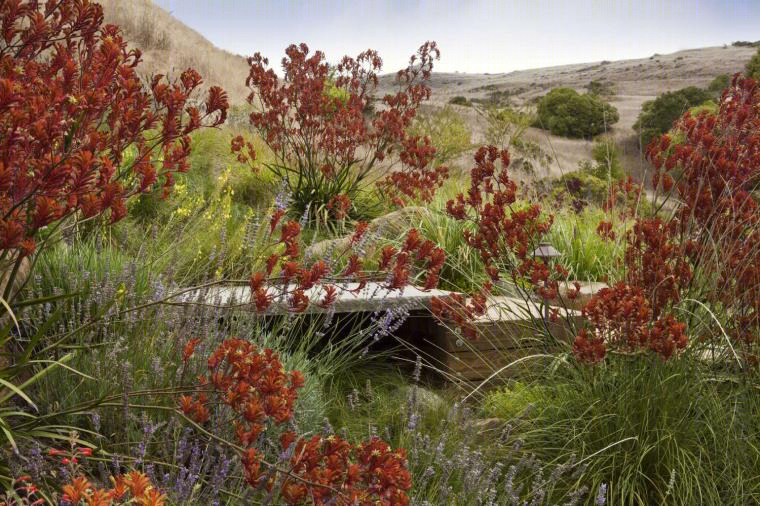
349,299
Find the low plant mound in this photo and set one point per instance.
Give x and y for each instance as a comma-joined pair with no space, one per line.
447,132
565,112
459,100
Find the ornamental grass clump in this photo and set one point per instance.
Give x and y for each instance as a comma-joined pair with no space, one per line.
649,431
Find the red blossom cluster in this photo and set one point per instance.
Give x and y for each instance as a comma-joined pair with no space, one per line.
72,456
711,164
285,269
315,122
418,178
656,262
252,383
367,474
321,471
339,205
501,230
625,193
505,235
71,102
460,311
604,229
130,488
623,320
400,263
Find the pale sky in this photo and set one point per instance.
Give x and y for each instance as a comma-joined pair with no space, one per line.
473,35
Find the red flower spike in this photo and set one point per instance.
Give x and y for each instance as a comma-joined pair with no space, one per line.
51,170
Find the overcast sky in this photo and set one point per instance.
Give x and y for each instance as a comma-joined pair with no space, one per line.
473,35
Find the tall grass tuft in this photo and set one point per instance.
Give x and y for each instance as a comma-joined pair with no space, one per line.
652,432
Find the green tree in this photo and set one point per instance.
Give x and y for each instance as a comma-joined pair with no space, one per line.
753,66
565,112
657,116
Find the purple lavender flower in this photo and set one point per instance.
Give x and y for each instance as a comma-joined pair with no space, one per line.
601,495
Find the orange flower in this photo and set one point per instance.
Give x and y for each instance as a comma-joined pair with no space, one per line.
77,490
137,483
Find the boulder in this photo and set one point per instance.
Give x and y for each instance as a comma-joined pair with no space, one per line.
22,274
425,400
587,290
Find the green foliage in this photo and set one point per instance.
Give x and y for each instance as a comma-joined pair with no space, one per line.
505,125
506,129
607,158
459,100
752,69
514,401
745,43
463,270
447,131
709,107
600,88
654,432
657,116
585,254
252,190
565,112
582,184
719,84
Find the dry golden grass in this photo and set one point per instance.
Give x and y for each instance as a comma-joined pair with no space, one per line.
169,46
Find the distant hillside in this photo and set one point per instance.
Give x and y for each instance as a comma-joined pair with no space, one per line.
169,46
641,77
632,82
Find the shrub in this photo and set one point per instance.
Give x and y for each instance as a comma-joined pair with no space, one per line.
323,147
505,125
447,131
583,184
716,169
251,386
565,112
502,233
698,260
745,43
459,100
657,116
600,88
